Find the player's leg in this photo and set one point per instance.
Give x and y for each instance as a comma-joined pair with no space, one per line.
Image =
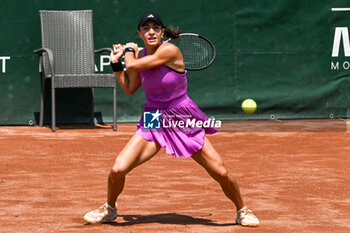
135,152
210,159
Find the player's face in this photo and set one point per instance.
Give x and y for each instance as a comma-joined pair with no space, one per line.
151,33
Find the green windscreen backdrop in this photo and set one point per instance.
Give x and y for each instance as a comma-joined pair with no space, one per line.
291,56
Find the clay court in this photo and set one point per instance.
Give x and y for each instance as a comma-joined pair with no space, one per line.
294,175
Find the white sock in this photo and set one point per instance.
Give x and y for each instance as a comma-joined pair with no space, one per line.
238,211
110,207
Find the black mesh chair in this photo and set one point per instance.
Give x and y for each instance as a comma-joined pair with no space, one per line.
67,57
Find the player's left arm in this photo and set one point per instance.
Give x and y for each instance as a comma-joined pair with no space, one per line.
166,54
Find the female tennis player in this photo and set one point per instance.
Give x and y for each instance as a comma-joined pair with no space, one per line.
160,69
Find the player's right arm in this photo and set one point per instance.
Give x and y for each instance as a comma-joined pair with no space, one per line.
128,81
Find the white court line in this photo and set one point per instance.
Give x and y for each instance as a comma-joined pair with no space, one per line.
340,9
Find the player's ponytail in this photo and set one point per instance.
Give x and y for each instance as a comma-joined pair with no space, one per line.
172,33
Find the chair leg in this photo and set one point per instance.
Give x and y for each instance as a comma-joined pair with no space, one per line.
92,117
53,107
41,120
114,108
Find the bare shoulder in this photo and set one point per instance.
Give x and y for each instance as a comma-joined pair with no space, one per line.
168,48
174,56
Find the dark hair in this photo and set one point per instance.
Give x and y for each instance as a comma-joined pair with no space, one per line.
172,33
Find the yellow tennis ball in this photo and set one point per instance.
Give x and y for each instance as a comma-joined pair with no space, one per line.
249,106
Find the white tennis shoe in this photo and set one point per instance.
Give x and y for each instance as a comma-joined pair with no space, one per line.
100,215
246,218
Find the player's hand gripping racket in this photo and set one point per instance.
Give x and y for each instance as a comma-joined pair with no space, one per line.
198,52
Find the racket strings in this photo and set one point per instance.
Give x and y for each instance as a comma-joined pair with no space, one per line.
197,53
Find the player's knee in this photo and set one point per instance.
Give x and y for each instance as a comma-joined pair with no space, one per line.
119,168
221,174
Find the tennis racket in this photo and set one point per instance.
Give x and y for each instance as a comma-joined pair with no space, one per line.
198,52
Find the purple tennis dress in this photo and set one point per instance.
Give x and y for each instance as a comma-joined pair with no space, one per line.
178,132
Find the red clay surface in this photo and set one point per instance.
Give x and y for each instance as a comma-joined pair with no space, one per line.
294,180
